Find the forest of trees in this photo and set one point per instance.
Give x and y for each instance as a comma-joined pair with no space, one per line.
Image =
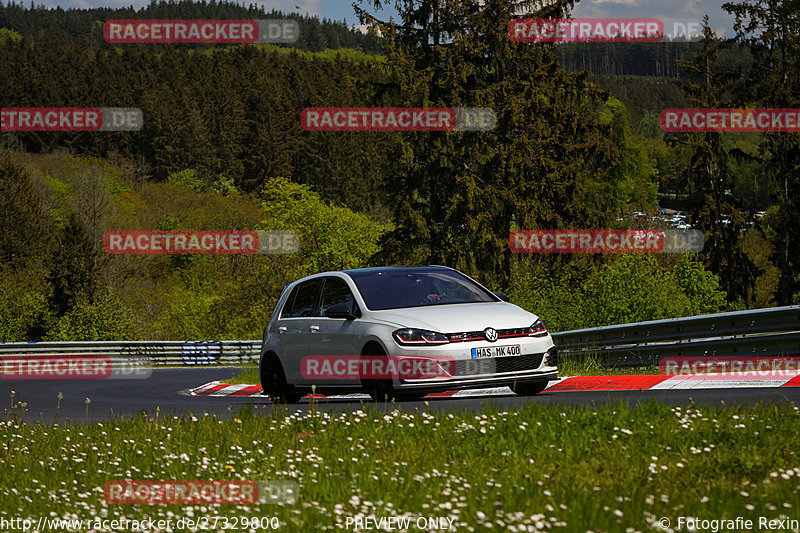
83,24
222,148
643,59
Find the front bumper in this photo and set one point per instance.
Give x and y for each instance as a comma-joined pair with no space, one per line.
466,373
478,382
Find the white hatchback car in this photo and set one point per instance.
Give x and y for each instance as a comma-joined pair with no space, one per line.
346,322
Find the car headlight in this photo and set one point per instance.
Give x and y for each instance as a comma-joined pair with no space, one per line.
419,336
538,329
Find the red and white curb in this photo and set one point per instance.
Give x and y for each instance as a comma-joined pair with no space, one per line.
218,389
569,384
215,388
624,382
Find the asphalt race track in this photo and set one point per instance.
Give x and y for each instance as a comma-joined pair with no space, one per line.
167,390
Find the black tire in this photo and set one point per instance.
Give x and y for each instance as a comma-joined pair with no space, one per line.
410,396
530,388
273,382
379,389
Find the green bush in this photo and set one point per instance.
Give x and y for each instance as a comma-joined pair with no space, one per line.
104,319
625,288
9,35
188,311
187,177
21,315
331,237
224,186
700,286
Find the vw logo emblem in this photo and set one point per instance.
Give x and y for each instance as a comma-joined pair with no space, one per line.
490,334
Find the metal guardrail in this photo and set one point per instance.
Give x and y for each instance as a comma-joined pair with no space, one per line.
755,333
182,353
759,332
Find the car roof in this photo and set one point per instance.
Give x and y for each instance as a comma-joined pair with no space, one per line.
357,272
409,269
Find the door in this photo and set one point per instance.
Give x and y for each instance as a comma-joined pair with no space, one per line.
295,327
332,337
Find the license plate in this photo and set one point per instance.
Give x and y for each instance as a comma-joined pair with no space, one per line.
496,351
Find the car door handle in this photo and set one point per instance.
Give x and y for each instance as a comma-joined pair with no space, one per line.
313,328
282,329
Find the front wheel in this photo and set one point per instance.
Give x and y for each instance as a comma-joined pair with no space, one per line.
530,388
379,389
274,385
410,396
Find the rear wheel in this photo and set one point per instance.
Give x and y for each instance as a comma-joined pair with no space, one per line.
273,382
530,388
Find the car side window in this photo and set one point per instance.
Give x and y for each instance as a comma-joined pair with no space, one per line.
336,292
286,312
305,300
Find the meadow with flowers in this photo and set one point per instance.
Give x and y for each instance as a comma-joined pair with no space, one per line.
611,467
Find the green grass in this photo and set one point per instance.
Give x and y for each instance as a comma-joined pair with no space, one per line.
248,376
574,468
591,365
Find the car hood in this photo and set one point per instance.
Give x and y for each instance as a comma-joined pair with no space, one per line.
455,318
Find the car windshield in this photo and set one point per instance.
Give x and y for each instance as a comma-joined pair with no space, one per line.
398,289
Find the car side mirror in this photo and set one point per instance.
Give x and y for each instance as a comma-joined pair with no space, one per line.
502,296
339,311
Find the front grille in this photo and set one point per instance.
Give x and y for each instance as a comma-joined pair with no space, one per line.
478,335
497,365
